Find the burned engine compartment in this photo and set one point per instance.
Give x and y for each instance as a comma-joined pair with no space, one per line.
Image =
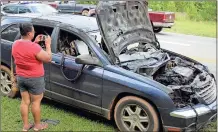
191,83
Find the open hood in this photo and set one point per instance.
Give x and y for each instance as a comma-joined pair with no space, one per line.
122,23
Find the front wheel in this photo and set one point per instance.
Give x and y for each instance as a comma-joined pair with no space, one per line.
135,114
8,83
157,29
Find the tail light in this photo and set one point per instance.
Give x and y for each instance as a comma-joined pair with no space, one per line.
164,18
54,5
169,17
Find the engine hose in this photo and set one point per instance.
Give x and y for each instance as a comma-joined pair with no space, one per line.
77,76
196,119
62,67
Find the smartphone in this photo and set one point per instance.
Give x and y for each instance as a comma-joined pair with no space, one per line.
42,40
42,37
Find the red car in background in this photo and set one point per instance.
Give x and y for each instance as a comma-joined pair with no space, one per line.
159,19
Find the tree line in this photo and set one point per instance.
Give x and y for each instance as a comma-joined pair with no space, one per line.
195,10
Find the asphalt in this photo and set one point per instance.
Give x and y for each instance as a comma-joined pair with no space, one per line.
202,49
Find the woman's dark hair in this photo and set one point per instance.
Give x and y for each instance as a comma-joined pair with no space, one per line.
25,28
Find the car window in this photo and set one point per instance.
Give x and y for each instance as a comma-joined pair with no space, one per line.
71,44
23,9
42,29
10,32
46,9
11,9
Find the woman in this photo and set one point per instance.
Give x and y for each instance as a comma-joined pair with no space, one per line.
29,57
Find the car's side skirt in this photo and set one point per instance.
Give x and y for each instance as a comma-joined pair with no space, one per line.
79,104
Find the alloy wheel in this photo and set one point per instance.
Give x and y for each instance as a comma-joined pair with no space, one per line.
5,83
135,118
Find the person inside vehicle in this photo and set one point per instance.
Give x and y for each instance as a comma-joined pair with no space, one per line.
67,48
28,58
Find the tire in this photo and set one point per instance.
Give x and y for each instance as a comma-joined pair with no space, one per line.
8,83
85,12
157,29
93,15
131,104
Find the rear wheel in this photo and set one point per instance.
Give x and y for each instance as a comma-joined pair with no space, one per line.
157,29
135,114
8,83
85,12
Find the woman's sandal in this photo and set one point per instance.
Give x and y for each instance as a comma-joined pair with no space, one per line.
42,127
27,129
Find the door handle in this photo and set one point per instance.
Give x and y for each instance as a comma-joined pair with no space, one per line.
55,62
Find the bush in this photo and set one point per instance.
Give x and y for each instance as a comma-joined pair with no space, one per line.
195,10
93,2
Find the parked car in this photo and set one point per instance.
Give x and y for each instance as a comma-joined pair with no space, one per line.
72,7
159,19
117,71
20,8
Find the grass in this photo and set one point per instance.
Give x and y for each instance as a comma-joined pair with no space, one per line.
185,26
212,127
71,119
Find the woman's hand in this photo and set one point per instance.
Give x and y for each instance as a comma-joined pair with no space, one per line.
48,41
37,39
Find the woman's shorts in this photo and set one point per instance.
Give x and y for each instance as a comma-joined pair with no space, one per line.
35,85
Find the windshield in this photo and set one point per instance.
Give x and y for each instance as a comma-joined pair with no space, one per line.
98,38
43,9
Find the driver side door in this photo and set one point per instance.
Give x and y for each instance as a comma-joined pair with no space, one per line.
85,91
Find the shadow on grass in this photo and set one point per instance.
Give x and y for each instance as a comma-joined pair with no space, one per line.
80,112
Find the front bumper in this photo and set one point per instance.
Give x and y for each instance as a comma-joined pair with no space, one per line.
191,112
190,118
164,25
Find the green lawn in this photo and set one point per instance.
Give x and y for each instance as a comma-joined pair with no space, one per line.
185,26
71,119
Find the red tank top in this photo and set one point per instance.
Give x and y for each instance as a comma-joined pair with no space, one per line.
24,54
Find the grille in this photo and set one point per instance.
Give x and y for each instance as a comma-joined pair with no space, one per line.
208,93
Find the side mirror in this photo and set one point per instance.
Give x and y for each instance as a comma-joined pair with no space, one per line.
87,60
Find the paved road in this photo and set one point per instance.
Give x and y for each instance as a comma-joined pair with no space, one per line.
202,49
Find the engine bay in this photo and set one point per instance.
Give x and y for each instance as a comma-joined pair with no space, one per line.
191,82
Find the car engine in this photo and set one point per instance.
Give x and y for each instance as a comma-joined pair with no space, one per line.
189,81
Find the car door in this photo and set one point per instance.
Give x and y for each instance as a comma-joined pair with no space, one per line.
8,35
85,92
12,33
67,7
